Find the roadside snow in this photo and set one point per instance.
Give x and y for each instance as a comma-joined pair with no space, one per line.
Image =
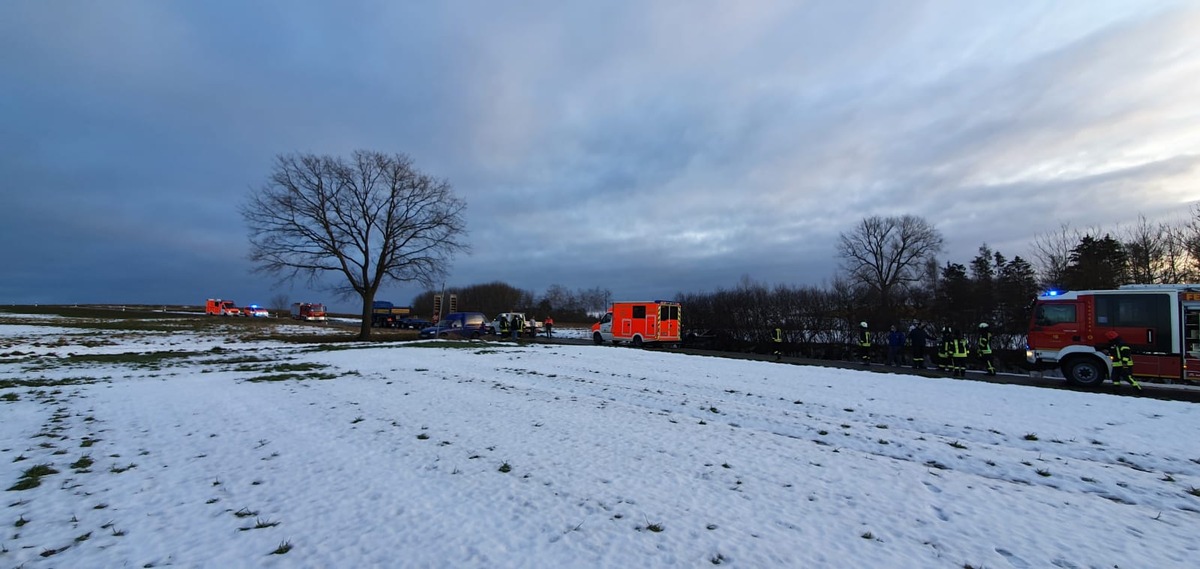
615,458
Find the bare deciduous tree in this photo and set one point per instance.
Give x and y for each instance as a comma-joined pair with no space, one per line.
884,253
1146,249
371,218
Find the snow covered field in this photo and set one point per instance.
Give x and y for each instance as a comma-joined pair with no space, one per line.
203,448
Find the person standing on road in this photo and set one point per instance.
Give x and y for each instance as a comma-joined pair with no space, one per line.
916,345
864,343
1122,360
549,324
984,348
777,342
516,326
958,354
895,354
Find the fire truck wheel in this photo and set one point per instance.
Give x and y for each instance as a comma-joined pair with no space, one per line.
637,341
1084,371
597,338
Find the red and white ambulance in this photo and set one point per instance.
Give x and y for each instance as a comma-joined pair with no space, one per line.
644,322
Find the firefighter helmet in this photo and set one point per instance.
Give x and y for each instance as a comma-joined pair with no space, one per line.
983,325
862,324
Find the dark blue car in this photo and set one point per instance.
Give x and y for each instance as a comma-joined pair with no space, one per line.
458,325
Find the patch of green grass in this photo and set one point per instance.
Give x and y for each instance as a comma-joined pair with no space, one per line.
85,462
289,376
1031,437
1194,491
32,477
284,547
9,397
130,358
259,523
505,468
1043,472
957,445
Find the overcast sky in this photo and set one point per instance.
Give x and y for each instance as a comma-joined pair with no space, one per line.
644,147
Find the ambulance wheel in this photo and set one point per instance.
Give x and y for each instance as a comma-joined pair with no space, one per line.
597,338
637,342
1084,371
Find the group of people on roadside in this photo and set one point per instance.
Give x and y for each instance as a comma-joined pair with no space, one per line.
953,348
516,325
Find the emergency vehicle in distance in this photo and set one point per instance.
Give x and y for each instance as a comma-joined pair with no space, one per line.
647,322
220,307
308,311
1160,323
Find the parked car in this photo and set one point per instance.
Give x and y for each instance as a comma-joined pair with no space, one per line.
256,311
460,325
414,323
531,326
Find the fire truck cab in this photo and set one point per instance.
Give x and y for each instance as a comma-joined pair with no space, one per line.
645,322
1160,323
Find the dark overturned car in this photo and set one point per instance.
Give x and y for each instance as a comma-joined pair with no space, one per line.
459,326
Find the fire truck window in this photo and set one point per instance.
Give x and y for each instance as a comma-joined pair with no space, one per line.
639,312
669,313
607,318
1146,311
1051,314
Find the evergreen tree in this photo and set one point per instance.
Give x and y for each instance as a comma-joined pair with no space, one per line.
1097,264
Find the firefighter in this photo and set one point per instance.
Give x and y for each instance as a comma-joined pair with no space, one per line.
943,353
916,345
777,342
864,343
984,348
1122,360
549,324
958,354
503,331
516,326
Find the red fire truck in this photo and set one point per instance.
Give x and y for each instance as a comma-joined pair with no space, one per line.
308,311
1161,324
220,307
638,323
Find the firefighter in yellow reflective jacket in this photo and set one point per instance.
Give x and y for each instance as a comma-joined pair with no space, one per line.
984,348
958,354
1122,360
864,343
943,353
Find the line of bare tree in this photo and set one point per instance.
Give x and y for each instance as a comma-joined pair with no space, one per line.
891,277
563,304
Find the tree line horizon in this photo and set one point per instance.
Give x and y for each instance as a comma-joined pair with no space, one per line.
374,218
890,276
